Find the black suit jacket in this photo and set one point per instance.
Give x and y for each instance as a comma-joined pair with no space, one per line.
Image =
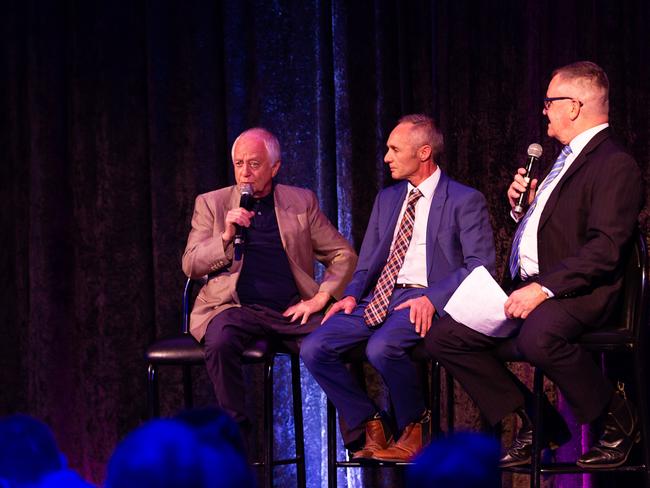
586,228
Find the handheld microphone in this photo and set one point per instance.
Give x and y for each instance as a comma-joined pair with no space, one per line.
246,191
534,152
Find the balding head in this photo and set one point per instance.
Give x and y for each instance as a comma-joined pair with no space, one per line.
577,99
271,142
590,83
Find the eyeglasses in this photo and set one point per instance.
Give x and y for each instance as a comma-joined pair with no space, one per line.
549,100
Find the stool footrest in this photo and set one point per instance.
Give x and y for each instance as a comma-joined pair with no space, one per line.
566,468
371,464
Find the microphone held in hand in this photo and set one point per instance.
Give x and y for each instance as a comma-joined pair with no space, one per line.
534,153
246,199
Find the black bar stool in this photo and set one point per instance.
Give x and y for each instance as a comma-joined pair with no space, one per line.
184,351
627,333
355,357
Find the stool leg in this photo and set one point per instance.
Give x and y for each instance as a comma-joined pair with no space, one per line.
536,455
268,422
153,405
187,387
331,445
297,421
434,393
642,394
450,402
424,372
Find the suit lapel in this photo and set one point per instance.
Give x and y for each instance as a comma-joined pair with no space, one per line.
393,207
234,199
286,225
435,214
580,160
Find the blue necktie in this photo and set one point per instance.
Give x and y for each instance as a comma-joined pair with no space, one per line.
555,170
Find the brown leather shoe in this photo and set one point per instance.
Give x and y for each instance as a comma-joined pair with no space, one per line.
415,436
378,436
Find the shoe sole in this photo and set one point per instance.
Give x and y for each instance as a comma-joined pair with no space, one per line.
512,464
393,460
363,457
551,446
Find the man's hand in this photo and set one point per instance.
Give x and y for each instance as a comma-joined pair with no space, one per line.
307,307
421,315
518,186
346,304
239,216
523,301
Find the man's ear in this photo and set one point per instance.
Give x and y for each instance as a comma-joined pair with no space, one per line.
424,153
575,110
275,168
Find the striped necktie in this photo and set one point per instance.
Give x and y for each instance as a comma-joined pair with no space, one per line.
376,310
514,261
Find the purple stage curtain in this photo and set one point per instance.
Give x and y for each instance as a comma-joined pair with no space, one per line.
115,115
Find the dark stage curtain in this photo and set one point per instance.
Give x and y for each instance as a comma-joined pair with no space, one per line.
115,115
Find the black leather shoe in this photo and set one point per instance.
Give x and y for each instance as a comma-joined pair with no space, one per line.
555,434
620,433
520,450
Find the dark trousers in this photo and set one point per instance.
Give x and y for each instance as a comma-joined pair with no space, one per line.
229,334
544,340
386,349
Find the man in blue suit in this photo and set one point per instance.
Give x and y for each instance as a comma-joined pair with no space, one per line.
424,237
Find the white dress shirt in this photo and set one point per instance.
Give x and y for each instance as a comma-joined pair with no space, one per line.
528,255
414,268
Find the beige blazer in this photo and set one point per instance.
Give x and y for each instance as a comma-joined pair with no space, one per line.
306,234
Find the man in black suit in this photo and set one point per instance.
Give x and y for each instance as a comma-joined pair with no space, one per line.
566,266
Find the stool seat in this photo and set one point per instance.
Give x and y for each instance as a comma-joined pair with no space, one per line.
185,349
598,340
181,349
358,353
619,337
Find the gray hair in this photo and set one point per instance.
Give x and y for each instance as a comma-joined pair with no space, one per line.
426,132
588,76
271,143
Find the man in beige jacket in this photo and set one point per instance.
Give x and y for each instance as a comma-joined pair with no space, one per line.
270,291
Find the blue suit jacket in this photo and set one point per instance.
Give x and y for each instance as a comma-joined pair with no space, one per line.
459,239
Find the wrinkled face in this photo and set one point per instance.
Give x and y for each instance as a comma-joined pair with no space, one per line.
558,112
401,155
253,165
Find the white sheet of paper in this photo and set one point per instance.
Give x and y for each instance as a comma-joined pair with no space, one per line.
478,304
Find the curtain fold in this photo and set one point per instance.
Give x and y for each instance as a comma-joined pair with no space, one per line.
114,116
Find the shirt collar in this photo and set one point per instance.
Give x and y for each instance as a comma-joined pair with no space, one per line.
266,201
428,186
581,140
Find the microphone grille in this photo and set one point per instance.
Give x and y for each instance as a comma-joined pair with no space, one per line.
535,150
246,189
